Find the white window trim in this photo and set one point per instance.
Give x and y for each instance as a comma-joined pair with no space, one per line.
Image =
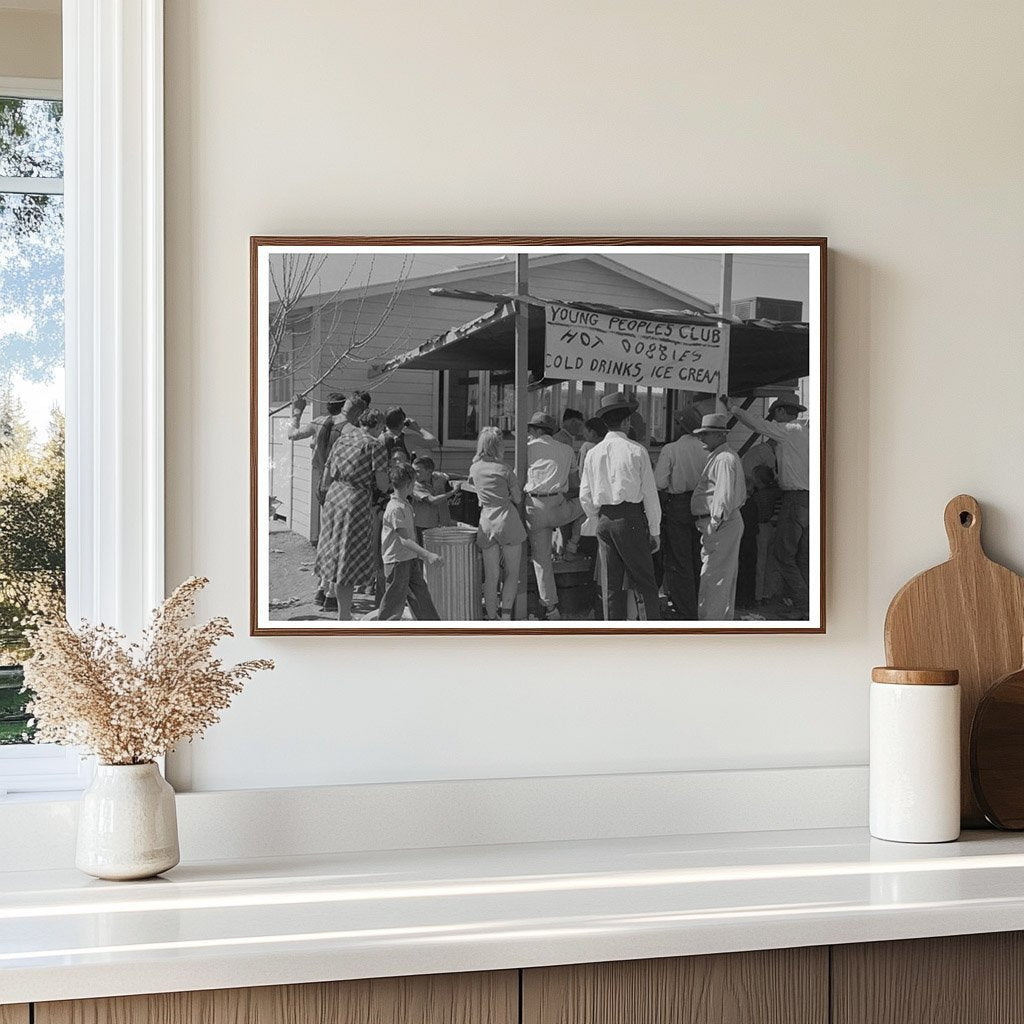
33,768
32,88
42,768
113,159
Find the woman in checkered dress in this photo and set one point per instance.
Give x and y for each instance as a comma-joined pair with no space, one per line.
346,552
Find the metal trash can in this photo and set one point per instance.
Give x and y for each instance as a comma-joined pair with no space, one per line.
456,585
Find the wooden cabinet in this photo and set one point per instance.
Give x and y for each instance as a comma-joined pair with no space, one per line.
778,986
967,979
962,979
491,998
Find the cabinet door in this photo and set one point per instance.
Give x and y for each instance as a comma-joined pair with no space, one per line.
962,979
490,998
14,1014
778,986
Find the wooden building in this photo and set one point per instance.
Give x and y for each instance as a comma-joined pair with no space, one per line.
452,404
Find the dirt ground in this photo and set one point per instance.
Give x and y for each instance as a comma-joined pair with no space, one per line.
292,586
292,583
291,577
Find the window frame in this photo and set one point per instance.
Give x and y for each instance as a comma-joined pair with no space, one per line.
483,409
112,89
37,767
556,402
48,89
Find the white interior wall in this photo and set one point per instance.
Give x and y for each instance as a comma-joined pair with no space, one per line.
895,129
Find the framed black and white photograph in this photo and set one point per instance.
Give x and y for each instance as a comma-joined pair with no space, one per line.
537,435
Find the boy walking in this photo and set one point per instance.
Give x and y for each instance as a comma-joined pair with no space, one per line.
403,574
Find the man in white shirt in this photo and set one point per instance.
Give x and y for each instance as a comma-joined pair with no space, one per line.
549,464
793,455
717,500
676,474
618,488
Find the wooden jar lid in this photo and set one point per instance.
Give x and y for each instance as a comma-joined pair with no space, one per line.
916,676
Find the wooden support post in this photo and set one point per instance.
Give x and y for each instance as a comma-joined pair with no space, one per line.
522,380
725,295
725,301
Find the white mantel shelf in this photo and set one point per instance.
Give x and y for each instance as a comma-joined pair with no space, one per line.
225,924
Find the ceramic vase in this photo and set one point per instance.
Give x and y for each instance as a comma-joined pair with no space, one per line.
127,825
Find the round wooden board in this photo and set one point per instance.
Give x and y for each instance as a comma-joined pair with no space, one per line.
997,753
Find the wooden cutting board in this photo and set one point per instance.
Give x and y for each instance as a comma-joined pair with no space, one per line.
967,614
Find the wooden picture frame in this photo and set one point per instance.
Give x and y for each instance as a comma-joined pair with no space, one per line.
400,333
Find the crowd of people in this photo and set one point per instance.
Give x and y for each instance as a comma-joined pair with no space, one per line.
735,528
376,500
692,537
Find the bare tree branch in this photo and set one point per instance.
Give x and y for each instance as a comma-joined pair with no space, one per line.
297,275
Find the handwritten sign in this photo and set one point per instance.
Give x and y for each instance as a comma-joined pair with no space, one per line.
622,349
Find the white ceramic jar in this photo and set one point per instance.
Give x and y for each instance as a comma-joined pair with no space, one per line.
127,823
915,755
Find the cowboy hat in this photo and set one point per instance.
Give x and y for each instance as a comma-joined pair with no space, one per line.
615,401
787,400
545,421
688,418
713,422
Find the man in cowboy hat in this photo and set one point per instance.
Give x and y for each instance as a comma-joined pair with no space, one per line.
618,489
717,499
793,456
677,473
549,464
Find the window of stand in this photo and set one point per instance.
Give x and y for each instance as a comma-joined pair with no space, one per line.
32,523
478,398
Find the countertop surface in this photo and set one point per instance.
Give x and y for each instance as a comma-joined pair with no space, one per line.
224,924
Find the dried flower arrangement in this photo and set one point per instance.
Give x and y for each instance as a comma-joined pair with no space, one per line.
129,704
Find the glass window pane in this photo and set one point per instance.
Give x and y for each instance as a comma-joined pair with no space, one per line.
659,414
463,405
31,138
31,431
503,402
